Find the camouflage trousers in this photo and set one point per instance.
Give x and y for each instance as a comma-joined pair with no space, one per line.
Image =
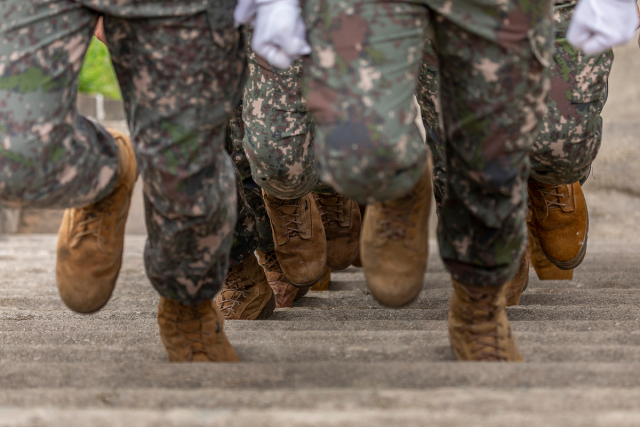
493,60
569,137
270,139
180,73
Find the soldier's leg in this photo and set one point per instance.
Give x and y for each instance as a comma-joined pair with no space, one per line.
360,80
566,146
279,146
428,99
493,89
246,294
180,77
51,157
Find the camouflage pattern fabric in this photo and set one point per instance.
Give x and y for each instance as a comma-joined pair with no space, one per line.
180,73
494,57
278,130
569,136
253,229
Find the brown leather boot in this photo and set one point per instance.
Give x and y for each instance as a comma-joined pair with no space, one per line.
91,240
299,237
284,292
520,281
323,283
194,333
395,245
543,267
246,294
561,222
342,221
478,326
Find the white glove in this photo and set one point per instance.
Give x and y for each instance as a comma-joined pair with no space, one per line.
279,35
245,12
598,25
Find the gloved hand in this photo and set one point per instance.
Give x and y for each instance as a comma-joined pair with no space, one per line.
598,25
279,35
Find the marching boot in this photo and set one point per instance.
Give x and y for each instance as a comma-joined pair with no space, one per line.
246,294
543,267
520,281
478,326
91,240
341,221
299,238
395,245
561,222
284,292
194,333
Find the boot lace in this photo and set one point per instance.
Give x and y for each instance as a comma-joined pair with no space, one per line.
90,223
292,221
232,293
330,214
486,344
192,338
396,218
551,196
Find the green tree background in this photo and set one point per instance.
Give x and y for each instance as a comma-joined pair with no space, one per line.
97,75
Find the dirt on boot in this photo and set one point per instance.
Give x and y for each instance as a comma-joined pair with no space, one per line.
299,238
341,220
478,326
395,245
194,333
91,240
561,222
285,293
246,294
544,268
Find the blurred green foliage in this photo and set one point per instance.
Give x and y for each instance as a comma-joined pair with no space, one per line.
97,75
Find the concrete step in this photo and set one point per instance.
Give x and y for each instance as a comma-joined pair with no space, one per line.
268,350
302,417
347,374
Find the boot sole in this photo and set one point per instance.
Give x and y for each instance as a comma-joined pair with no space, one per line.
574,263
268,309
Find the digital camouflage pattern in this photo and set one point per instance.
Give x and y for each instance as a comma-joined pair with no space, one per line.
569,137
494,57
278,130
277,133
180,74
253,229
571,133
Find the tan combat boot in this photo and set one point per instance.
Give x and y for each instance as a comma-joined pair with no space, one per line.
194,333
284,292
520,281
246,294
323,283
395,245
299,237
341,220
544,268
560,219
478,326
91,240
